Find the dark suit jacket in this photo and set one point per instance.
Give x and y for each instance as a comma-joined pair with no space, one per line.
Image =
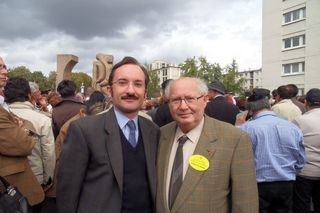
219,108
90,175
231,172
163,115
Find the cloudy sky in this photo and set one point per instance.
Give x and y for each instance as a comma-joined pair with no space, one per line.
33,32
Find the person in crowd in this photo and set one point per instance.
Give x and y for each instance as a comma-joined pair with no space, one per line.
162,115
113,153
278,151
219,107
16,145
284,105
42,158
37,99
293,89
3,81
94,105
307,185
204,165
68,107
53,99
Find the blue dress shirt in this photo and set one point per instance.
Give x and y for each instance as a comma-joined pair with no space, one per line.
122,122
277,145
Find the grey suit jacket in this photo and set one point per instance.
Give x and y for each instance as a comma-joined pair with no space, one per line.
231,172
90,175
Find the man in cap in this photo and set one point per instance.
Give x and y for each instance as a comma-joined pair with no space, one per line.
307,184
218,107
279,153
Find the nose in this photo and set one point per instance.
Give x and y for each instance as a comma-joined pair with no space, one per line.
130,88
183,104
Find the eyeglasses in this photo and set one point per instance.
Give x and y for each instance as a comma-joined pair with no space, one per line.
3,66
125,84
187,100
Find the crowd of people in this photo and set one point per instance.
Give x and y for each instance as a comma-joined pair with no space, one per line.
199,150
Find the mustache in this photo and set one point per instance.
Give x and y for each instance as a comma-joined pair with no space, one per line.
130,97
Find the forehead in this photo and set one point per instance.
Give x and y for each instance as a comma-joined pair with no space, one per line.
129,72
184,87
1,61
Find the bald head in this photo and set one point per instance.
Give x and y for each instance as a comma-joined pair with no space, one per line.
3,73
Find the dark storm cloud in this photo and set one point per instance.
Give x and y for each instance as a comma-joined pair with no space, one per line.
84,19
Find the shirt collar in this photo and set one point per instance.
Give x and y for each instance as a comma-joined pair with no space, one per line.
123,120
193,134
261,114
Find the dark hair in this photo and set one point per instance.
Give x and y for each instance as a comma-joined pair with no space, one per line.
293,89
274,93
67,88
313,97
284,92
128,60
17,90
96,103
260,104
165,84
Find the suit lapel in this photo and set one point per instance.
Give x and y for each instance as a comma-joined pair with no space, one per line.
205,147
113,145
148,143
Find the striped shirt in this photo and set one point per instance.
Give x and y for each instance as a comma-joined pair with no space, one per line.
277,145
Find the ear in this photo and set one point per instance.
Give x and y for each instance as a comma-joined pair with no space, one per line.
109,90
146,94
206,98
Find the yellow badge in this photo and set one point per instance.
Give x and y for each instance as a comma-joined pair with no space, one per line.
199,162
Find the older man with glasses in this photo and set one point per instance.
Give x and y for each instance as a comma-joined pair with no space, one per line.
202,162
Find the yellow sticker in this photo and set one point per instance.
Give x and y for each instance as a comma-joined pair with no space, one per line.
199,162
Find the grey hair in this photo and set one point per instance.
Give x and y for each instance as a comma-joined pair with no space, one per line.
202,86
255,106
33,86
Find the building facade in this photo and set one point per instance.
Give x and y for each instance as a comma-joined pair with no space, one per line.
291,44
253,79
165,70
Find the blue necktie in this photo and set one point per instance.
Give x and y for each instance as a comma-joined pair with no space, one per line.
132,133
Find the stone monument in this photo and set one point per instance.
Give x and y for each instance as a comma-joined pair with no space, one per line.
101,70
65,64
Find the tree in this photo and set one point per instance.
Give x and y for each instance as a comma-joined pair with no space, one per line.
81,77
153,86
22,72
52,80
201,68
41,80
232,80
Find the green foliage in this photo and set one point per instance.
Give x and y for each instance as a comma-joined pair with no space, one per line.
232,80
201,68
49,82
21,71
153,86
81,77
52,80
208,72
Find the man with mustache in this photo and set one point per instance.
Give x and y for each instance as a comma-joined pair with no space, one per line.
108,160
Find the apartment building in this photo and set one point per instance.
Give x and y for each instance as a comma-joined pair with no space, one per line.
165,70
291,43
253,78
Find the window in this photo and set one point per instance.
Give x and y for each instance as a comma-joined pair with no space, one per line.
293,68
294,16
293,42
